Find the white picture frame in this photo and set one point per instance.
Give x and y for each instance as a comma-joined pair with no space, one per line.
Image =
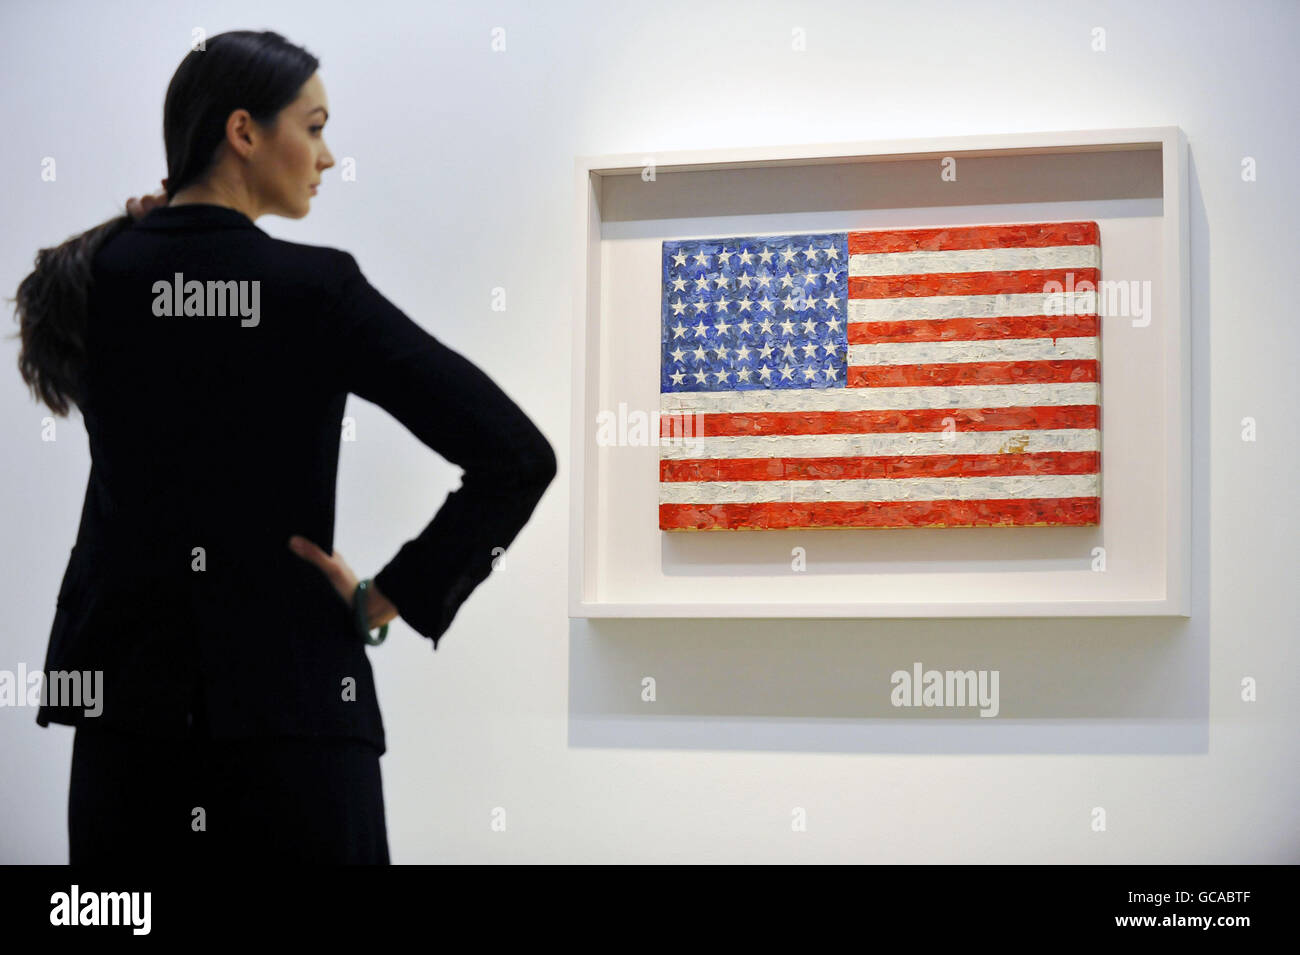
1135,563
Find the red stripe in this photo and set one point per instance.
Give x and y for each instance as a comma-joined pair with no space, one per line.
972,373
772,516
925,284
895,466
1031,236
886,420
974,329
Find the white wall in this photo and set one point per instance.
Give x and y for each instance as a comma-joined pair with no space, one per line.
465,161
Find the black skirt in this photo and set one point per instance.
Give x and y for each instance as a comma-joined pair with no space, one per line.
137,799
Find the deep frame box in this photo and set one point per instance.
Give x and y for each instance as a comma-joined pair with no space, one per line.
1132,182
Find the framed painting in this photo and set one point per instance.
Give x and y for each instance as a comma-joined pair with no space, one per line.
874,372
938,377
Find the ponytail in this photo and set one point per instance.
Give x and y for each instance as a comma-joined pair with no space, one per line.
51,308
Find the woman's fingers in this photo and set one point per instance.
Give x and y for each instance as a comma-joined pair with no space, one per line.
138,206
335,569
308,550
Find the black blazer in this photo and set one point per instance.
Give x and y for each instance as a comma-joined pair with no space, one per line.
214,436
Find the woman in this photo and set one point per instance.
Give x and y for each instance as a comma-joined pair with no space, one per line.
208,643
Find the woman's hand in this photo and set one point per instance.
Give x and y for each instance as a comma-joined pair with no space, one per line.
138,207
379,608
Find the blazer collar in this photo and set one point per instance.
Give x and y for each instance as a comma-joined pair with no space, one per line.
195,215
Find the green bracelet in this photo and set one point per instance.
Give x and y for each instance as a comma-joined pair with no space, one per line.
359,614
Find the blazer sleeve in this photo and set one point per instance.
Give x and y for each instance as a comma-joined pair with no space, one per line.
453,407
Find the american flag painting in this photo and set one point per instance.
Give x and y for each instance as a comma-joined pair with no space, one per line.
897,378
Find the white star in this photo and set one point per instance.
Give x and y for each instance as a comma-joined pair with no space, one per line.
765,256
746,257
722,326
743,280
765,373
766,326
812,252
721,280
700,307
744,305
678,307
699,353
787,372
679,258
677,377
742,353
722,303
833,252
832,324
767,304
764,280
809,374
744,326
790,302
767,350
830,275
721,353
701,258
788,327
700,377
832,302
830,372
742,374
677,354
810,278
679,330
789,253
723,256
787,350
810,325
701,284
787,281
700,329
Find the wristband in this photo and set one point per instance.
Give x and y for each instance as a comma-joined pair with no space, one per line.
359,614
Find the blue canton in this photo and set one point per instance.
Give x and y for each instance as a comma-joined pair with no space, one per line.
755,313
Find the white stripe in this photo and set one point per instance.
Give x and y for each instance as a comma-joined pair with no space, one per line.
971,306
884,444
883,399
975,260
999,349
881,489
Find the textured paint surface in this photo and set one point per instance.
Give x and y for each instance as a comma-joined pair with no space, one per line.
897,378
